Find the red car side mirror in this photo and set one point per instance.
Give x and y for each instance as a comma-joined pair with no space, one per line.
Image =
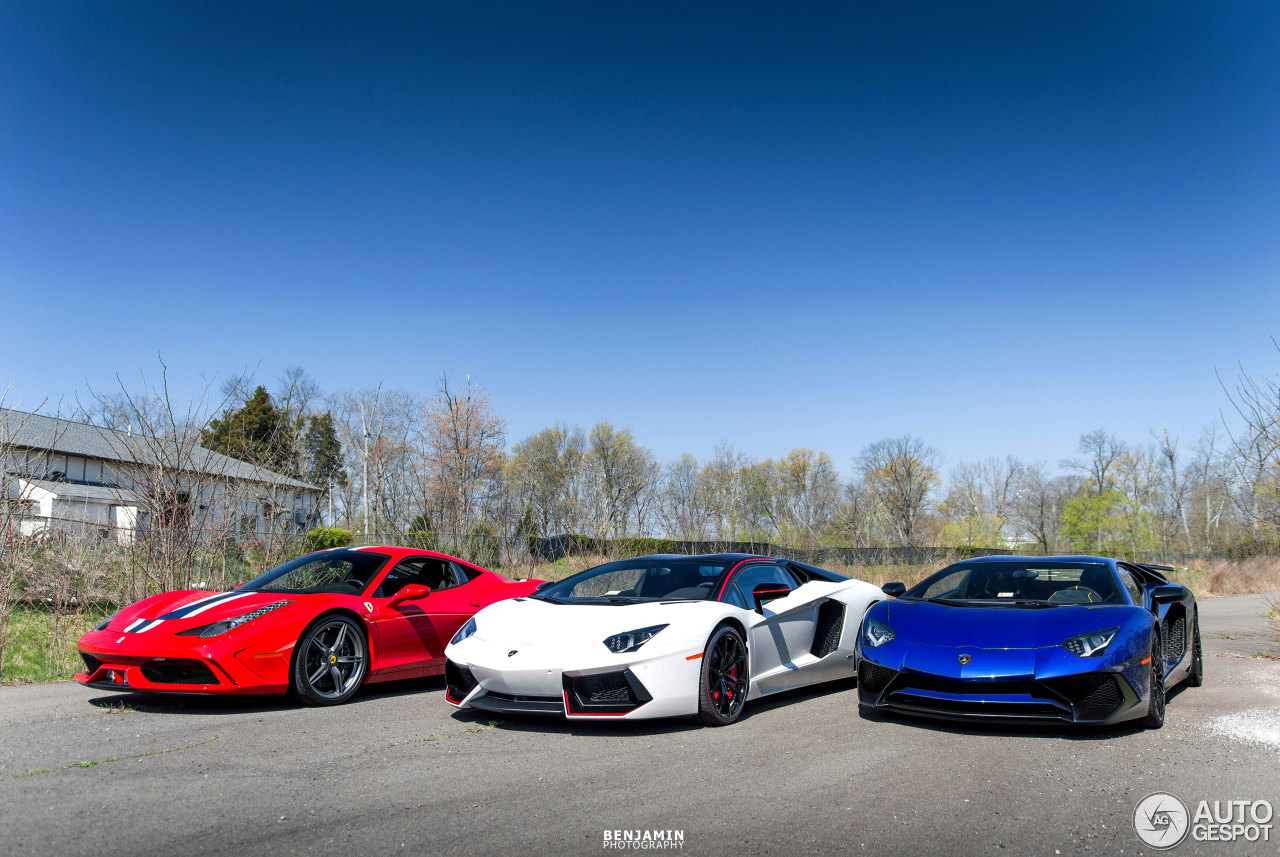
412,592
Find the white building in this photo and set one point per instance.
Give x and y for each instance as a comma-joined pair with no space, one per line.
64,475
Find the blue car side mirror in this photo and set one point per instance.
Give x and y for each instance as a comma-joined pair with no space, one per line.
1169,593
893,590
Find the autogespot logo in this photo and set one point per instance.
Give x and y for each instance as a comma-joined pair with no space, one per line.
1161,820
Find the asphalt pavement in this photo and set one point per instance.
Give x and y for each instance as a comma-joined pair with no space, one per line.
398,771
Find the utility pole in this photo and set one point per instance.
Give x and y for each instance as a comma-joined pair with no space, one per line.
364,472
364,458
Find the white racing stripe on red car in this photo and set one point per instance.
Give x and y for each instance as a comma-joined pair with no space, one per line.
219,599
194,608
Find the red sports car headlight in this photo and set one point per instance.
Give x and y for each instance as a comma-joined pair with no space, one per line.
222,627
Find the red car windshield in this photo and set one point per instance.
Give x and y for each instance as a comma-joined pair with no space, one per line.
342,572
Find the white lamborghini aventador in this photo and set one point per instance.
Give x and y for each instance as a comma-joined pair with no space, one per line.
660,636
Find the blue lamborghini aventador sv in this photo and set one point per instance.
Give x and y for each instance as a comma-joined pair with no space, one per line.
1078,639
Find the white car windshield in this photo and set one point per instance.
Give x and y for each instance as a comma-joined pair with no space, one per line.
634,580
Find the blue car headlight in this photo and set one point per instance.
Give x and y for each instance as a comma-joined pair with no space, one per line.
876,633
465,631
629,641
1091,645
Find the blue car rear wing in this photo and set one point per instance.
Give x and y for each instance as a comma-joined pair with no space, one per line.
1155,574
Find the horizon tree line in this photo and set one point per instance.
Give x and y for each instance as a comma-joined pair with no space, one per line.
393,462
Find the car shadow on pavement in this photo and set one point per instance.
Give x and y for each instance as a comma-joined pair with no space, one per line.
175,703
608,727
1055,731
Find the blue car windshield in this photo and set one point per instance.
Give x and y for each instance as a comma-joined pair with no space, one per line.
633,580
984,584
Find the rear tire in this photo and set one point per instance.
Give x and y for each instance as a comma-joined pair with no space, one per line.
1196,677
330,661
724,679
1157,699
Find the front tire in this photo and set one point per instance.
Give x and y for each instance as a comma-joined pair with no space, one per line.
330,661
1156,701
724,680
1196,677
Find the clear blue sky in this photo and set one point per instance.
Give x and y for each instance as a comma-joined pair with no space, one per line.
995,226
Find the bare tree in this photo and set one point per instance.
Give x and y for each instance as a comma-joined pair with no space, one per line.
1211,495
900,474
1038,510
466,439
720,486
185,496
545,470
297,393
1101,451
684,512
808,489
620,472
1256,447
375,427
1178,486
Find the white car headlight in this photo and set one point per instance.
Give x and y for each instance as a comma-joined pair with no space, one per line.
876,633
465,631
629,641
1091,645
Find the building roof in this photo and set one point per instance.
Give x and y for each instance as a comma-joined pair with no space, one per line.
80,491
36,431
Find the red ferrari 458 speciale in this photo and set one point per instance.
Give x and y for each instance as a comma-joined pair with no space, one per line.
318,626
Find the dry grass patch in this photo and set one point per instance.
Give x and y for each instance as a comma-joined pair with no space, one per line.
1211,578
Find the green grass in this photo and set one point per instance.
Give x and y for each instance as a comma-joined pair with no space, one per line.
35,653
92,763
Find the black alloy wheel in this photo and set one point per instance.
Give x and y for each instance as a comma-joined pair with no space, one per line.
724,681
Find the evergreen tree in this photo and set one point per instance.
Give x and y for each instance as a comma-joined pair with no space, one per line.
322,452
322,456
258,432
527,529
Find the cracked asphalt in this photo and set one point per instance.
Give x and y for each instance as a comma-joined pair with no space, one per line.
398,771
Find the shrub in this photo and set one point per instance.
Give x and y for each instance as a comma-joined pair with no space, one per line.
643,546
323,538
422,540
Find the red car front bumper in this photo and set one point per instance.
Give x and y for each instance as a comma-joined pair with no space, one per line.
123,662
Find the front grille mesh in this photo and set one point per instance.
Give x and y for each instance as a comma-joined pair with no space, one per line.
607,687
458,681
1105,695
826,636
178,672
1093,696
873,677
